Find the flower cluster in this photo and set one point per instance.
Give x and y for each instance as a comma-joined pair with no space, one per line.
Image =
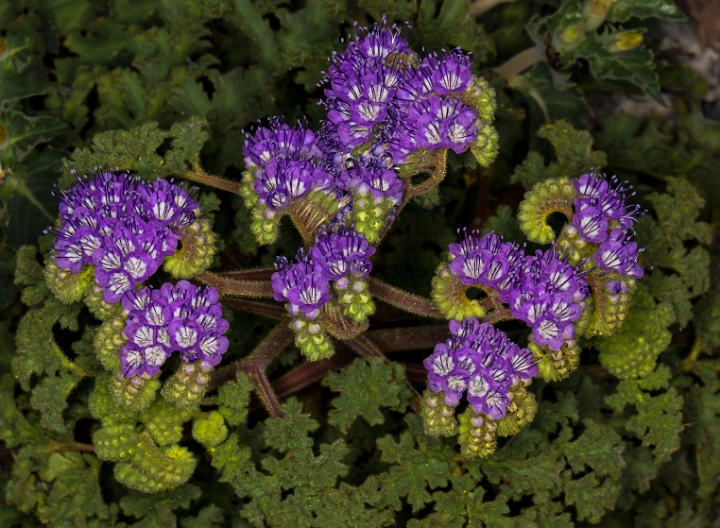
305,284
384,104
542,290
121,225
380,91
481,360
285,162
602,217
548,295
183,318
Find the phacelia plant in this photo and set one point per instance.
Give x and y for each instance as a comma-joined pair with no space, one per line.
526,371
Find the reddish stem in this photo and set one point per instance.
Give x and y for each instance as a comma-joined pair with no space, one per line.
270,311
263,354
237,288
404,300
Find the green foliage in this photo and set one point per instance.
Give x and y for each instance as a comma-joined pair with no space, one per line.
166,89
658,421
573,151
383,386
633,351
666,239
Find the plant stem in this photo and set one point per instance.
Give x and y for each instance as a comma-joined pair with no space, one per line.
401,299
248,274
237,288
212,181
254,307
478,7
73,446
263,354
265,391
517,64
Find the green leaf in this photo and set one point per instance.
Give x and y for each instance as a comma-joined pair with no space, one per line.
233,398
635,65
156,510
136,150
633,351
366,386
658,421
622,10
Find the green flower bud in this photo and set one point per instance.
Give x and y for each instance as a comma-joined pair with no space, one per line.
354,296
520,412
210,430
103,407
438,418
555,365
369,215
115,442
449,295
545,198
187,386
98,307
164,422
196,252
477,435
135,393
109,339
67,286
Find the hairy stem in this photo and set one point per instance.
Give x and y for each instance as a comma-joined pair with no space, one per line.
212,181
249,274
478,7
265,391
73,446
237,288
263,354
258,308
398,298
517,64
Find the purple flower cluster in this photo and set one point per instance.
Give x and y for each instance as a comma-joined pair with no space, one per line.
286,162
481,360
121,225
305,283
602,216
183,318
542,290
548,295
378,92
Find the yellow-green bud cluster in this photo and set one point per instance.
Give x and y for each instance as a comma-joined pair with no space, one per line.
103,406
477,435
370,215
115,443
164,422
481,96
109,338
98,307
187,386
67,286
265,221
152,469
354,297
449,295
196,252
545,198
210,430
135,393
555,365
438,417
520,412
311,338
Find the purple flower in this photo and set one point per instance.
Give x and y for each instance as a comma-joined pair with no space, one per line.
479,360
182,317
